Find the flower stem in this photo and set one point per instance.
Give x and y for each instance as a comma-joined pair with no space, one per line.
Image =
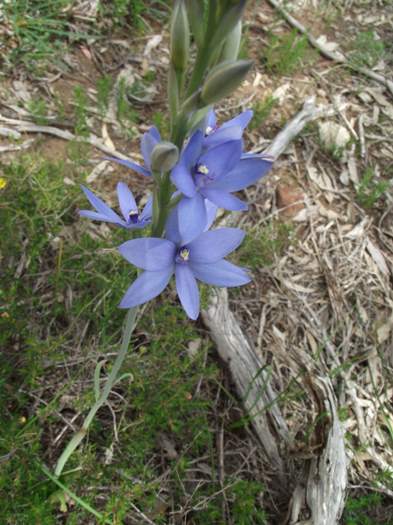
163,205
129,325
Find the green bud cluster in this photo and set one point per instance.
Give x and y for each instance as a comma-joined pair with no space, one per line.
216,30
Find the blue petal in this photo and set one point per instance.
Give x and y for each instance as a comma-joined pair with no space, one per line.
100,206
192,150
137,225
147,286
183,180
192,217
223,135
94,216
149,253
172,232
153,131
247,172
211,121
147,212
241,120
131,165
220,273
126,200
224,200
187,290
222,158
214,245
148,141
211,212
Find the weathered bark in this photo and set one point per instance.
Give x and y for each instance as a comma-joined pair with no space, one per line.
251,380
324,490
336,57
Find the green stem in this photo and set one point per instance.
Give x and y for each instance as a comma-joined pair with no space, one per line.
129,326
164,197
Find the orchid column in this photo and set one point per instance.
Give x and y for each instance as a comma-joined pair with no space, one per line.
194,173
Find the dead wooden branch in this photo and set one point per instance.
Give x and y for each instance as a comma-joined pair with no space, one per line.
336,57
27,127
324,492
251,379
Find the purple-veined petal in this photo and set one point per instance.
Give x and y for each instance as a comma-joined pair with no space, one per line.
131,165
224,200
147,286
187,290
247,172
94,216
100,206
126,200
214,245
220,273
148,141
149,253
147,212
192,150
192,217
183,180
241,120
222,158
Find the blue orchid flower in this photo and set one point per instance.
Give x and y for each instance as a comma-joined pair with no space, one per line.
213,175
231,130
132,218
148,141
201,259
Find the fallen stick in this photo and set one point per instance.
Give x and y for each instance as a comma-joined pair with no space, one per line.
253,383
27,127
336,57
249,375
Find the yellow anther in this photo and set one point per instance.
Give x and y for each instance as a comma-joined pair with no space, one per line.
184,254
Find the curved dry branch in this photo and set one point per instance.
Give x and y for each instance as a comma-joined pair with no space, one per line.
324,490
336,57
249,375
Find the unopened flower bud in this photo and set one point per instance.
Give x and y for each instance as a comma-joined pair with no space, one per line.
195,12
224,79
164,156
231,18
232,43
180,36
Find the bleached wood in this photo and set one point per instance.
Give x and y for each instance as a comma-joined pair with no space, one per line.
325,486
28,127
251,380
336,57
327,478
